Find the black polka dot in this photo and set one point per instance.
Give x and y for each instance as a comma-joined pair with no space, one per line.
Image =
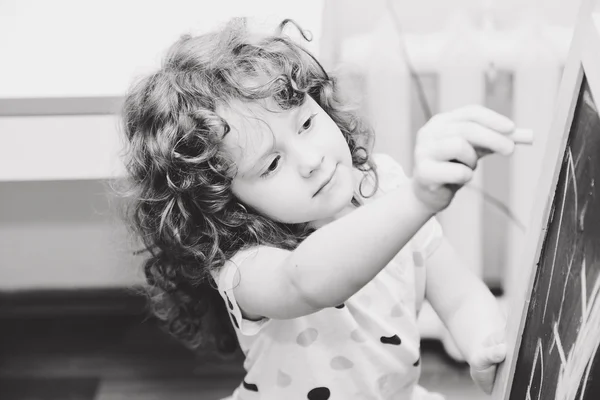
416,363
234,320
250,386
320,393
229,302
340,306
395,340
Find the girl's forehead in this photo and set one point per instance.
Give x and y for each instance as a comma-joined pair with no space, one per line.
251,130
247,119
236,110
258,116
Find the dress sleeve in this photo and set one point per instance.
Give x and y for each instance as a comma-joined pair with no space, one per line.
227,277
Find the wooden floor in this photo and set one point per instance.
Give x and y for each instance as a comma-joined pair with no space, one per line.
123,357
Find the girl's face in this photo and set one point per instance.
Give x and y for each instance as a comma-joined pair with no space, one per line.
293,166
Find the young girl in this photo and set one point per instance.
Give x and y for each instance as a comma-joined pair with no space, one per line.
264,212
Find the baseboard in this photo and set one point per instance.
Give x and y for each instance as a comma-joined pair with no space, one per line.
84,301
59,302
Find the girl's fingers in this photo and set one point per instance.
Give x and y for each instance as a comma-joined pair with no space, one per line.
483,366
496,338
499,353
494,355
482,116
484,140
435,174
485,378
454,148
488,357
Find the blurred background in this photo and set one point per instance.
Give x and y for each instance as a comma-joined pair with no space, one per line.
70,326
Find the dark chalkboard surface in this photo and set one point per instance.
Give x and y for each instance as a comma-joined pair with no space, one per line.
557,357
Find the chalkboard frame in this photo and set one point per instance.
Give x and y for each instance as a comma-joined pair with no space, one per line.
583,63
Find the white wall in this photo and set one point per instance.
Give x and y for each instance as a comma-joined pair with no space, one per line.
62,234
90,47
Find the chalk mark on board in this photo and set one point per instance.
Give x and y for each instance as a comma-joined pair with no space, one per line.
582,217
589,101
564,293
593,297
559,346
573,376
595,303
539,354
571,168
560,217
583,290
581,152
587,374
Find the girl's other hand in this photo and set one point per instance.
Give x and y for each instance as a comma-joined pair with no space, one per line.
449,146
485,358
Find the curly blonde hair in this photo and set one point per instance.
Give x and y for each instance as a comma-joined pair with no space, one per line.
180,203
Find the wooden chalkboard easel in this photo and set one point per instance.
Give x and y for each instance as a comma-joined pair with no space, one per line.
554,332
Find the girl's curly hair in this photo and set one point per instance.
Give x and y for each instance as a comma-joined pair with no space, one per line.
178,178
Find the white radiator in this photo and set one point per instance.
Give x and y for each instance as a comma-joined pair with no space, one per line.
516,73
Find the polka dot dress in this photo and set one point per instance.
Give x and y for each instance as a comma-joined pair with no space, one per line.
366,348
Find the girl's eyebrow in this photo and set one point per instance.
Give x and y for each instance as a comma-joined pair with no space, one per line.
256,162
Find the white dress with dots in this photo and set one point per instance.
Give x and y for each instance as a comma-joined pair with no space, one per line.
366,348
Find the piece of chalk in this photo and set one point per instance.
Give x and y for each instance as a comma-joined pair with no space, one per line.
522,136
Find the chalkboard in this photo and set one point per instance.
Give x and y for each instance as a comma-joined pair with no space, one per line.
557,357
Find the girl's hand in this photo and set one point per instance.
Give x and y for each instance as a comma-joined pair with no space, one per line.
448,148
484,359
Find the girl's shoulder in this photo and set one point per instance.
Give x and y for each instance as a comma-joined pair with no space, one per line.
234,261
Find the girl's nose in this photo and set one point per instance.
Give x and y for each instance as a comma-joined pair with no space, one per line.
310,161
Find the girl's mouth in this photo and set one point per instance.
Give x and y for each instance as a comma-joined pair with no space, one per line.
326,181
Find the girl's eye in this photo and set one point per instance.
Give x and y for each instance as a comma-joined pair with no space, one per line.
272,167
308,123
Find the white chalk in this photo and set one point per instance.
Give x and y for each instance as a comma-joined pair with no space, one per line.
522,136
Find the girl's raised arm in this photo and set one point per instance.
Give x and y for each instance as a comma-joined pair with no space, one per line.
340,258
331,264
